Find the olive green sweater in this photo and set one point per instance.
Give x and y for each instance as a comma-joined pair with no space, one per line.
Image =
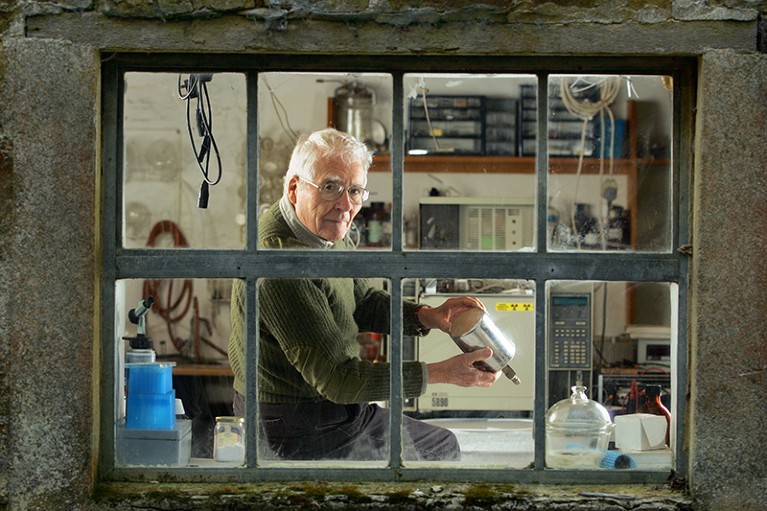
308,333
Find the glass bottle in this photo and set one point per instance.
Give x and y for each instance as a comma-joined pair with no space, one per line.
229,439
615,227
655,406
375,224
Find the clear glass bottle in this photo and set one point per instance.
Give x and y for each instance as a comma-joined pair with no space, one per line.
229,439
375,224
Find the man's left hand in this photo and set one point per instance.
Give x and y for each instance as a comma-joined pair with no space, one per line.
442,316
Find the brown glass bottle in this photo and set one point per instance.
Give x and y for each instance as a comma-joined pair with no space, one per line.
655,406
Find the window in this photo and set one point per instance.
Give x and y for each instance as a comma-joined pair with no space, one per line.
561,211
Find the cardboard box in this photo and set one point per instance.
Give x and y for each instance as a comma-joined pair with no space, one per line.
640,432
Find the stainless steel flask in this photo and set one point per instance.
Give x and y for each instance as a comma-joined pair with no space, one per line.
474,329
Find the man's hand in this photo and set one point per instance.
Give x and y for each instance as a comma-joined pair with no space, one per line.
442,317
460,370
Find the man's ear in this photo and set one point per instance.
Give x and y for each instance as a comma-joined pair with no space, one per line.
292,187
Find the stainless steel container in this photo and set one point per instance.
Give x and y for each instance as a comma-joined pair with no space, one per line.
353,110
474,329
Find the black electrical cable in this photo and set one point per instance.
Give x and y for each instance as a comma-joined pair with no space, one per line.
197,88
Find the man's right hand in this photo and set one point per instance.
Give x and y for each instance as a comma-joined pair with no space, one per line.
460,370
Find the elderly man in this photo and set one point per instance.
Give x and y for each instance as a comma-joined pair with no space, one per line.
315,392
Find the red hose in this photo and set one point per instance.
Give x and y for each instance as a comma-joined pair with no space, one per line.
170,309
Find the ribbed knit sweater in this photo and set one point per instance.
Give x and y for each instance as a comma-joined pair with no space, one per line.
308,333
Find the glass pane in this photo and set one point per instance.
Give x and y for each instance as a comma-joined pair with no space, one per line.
614,342
176,148
469,174
610,163
358,104
173,378
491,425
323,377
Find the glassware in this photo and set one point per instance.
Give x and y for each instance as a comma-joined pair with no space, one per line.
655,406
577,432
229,442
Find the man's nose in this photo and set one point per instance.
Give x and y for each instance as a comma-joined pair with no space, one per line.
344,201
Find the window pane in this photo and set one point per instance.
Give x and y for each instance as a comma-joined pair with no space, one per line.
173,378
609,163
323,377
359,104
595,346
173,149
467,185
492,425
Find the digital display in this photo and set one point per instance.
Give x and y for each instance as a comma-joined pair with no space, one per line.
570,300
575,307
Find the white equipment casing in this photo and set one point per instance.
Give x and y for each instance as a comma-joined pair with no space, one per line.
514,314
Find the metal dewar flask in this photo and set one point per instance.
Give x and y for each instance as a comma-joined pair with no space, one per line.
353,110
474,329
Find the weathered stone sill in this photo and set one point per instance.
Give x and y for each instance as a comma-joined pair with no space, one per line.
389,496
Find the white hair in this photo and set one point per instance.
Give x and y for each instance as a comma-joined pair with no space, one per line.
325,144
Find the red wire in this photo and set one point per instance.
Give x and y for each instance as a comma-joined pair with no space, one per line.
168,310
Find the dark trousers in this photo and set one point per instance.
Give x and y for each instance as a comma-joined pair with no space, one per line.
325,430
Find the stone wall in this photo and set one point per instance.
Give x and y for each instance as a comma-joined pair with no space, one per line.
50,219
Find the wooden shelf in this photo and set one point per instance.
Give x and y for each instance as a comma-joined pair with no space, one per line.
452,164
506,164
208,370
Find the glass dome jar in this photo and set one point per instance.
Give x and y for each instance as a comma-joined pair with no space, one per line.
577,432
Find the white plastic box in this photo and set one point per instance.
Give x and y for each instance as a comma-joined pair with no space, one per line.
640,432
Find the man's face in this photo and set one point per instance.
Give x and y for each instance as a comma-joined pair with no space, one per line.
328,219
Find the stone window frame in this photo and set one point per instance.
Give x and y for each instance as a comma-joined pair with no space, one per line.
251,263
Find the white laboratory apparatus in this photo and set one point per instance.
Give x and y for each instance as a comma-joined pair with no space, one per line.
514,315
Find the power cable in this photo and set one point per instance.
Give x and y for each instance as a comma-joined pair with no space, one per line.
195,87
585,109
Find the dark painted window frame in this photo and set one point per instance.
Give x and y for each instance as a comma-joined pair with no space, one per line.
395,265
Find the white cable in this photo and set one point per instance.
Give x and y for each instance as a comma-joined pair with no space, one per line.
424,90
280,111
586,110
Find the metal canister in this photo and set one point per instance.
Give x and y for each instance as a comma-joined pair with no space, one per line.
474,329
353,110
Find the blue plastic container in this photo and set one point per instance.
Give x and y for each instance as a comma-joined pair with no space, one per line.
151,411
153,378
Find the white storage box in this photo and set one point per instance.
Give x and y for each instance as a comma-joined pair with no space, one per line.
640,432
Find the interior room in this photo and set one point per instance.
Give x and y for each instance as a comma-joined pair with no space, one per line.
469,184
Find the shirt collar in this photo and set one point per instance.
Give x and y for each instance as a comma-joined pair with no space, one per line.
299,230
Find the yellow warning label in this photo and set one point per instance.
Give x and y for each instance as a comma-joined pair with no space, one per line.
514,307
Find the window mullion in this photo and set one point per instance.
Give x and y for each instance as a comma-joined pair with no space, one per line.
541,173
251,371
542,162
395,310
397,150
395,401
251,172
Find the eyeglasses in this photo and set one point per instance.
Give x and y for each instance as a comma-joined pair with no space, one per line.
332,190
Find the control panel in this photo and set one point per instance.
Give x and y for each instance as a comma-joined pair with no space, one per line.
570,331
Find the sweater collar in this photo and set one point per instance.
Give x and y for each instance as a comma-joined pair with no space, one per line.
299,230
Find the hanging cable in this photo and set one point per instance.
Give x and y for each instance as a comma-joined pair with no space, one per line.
195,87
585,109
424,91
282,113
